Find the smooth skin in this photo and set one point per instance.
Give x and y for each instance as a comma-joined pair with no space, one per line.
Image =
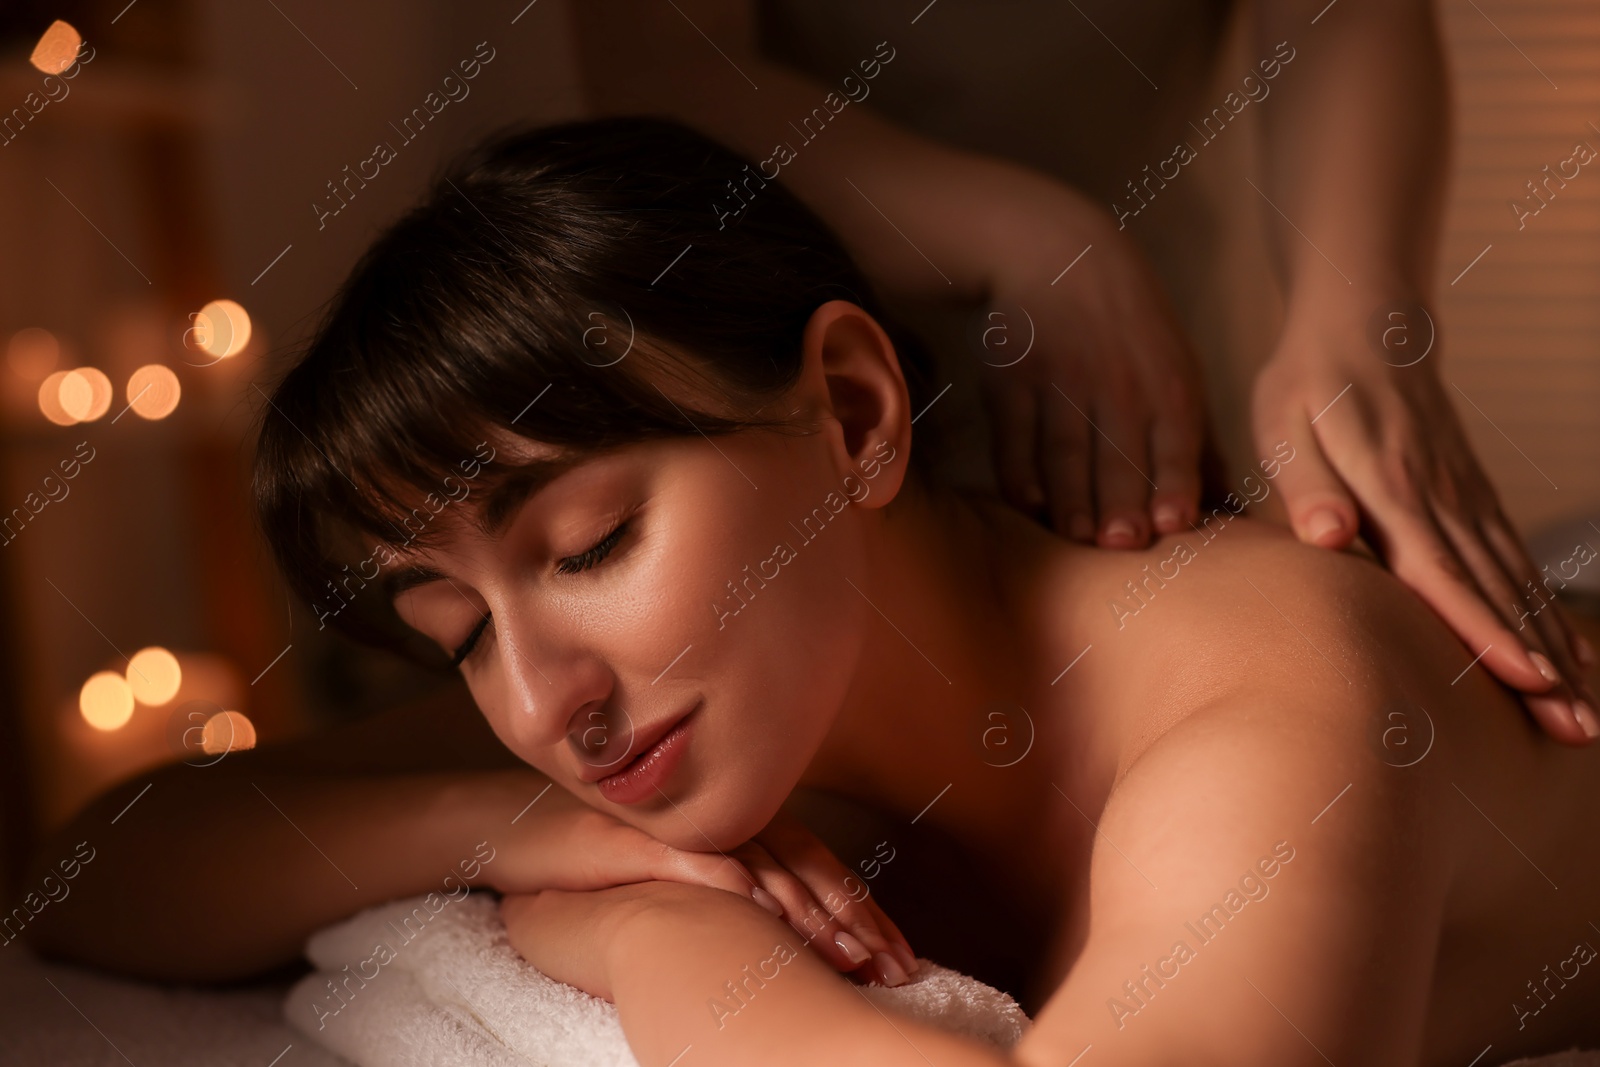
1242,711
302,834
1355,146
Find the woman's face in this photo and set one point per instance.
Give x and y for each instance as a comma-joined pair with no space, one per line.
693,579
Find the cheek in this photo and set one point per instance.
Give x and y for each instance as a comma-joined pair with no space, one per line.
755,583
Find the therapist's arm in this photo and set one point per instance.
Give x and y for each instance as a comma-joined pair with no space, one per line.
929,221
1352,185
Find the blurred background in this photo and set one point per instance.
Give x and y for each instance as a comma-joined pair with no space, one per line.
170,170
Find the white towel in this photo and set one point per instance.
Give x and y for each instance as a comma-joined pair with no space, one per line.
435,980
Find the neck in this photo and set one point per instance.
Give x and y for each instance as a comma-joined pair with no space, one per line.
940,651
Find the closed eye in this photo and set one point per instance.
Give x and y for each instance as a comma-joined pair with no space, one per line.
583,561
592,556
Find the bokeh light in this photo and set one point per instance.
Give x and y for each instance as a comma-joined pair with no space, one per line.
85,393
105,701
154,676
57,49
227,731
153,391
222,328
50,399
33,353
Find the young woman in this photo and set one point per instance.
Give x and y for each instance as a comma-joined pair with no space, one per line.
649,484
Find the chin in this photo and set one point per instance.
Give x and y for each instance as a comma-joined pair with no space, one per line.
716,819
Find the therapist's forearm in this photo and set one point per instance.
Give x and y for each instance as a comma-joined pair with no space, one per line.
1356,140
923,219
738,987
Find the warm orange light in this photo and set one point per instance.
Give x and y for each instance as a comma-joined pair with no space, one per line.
154,676
227,731
85,393
33,353
50,399
105,701
57,49
222,328
153,391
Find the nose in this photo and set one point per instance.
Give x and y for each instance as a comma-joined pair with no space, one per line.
557,689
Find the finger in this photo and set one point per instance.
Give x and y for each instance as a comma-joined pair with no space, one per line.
1556,628
1320,509
800,852
1065,455
1175,437
1569,715
632,851
1121,484
1553,709
844,944
1013,420
1415,550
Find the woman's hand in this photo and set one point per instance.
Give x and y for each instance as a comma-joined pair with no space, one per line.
1378,448
559,842
562,843
847,928
1100,424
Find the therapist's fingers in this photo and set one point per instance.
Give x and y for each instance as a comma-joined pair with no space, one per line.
1013,425
1414,548
1121,482
1176,436
1555,634
1539,635
1321,511
1066,456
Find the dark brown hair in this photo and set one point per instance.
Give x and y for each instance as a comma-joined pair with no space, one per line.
501,303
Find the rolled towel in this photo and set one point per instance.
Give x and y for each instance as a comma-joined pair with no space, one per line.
434,979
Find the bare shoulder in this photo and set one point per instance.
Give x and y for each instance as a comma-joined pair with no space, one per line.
1246,614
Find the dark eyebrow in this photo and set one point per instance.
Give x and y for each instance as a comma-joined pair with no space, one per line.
398,581
509,494
519,485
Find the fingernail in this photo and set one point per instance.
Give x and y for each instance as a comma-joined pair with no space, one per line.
906,957
1168,518
1586,719
893,973
1546,669
853,949
767,900
1583,650
1121,531
1321,524
1080,528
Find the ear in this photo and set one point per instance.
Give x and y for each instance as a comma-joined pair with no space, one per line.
851,376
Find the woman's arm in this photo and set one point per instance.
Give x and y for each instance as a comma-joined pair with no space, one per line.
718,982
218,872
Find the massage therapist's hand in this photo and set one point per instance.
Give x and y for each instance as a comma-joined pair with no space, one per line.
1378,445
1100,425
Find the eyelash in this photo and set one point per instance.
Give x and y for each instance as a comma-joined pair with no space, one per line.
583,561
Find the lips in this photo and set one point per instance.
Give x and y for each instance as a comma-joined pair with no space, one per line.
649,774
644,740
